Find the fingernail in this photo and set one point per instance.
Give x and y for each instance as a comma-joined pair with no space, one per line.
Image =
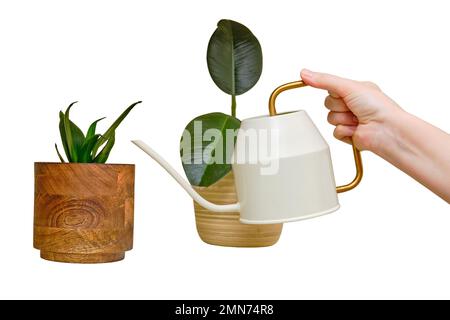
307,73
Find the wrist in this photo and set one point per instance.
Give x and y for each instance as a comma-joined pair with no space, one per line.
388,134
417,148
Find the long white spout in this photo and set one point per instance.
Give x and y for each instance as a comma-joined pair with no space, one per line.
186,186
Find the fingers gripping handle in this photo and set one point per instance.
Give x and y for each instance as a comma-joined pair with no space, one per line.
356,152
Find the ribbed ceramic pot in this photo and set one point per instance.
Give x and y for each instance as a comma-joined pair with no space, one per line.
224,229
83,213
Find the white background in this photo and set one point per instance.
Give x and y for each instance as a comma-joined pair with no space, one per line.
391,237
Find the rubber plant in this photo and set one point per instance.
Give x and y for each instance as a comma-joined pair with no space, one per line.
234,59
82,148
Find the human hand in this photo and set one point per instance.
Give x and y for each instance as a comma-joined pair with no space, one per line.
360,110
362,113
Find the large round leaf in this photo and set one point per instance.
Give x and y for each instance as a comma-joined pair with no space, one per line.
234,58
206,147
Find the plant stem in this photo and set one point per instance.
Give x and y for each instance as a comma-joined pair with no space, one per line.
233,105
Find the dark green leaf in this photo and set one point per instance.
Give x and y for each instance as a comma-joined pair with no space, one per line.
68,133
234,58
197,156
91,131
74,136
62,132
111,131
104,154
86,149
59,154
77,136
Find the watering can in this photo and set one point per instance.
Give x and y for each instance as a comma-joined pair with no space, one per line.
301,187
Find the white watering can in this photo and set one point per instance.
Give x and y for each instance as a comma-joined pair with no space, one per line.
303,186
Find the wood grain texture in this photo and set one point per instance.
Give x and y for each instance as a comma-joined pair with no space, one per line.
83,213
224,229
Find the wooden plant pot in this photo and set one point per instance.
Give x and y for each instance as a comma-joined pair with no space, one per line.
83,213
224,229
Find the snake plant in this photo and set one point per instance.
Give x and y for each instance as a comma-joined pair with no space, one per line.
82,148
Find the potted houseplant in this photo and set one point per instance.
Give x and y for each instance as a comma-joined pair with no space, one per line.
234,59
83,208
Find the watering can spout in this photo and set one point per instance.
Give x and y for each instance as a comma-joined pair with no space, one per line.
183,183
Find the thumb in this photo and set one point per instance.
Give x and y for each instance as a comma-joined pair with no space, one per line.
329,82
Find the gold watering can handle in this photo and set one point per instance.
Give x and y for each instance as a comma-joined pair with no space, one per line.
356,152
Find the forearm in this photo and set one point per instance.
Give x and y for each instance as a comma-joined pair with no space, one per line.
419,149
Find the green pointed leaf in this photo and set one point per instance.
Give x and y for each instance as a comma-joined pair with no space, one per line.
234,58
62,132
111,131
78,138
206,162
86,149
91,131
104,154
74,136
59,154
77,135
68,133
